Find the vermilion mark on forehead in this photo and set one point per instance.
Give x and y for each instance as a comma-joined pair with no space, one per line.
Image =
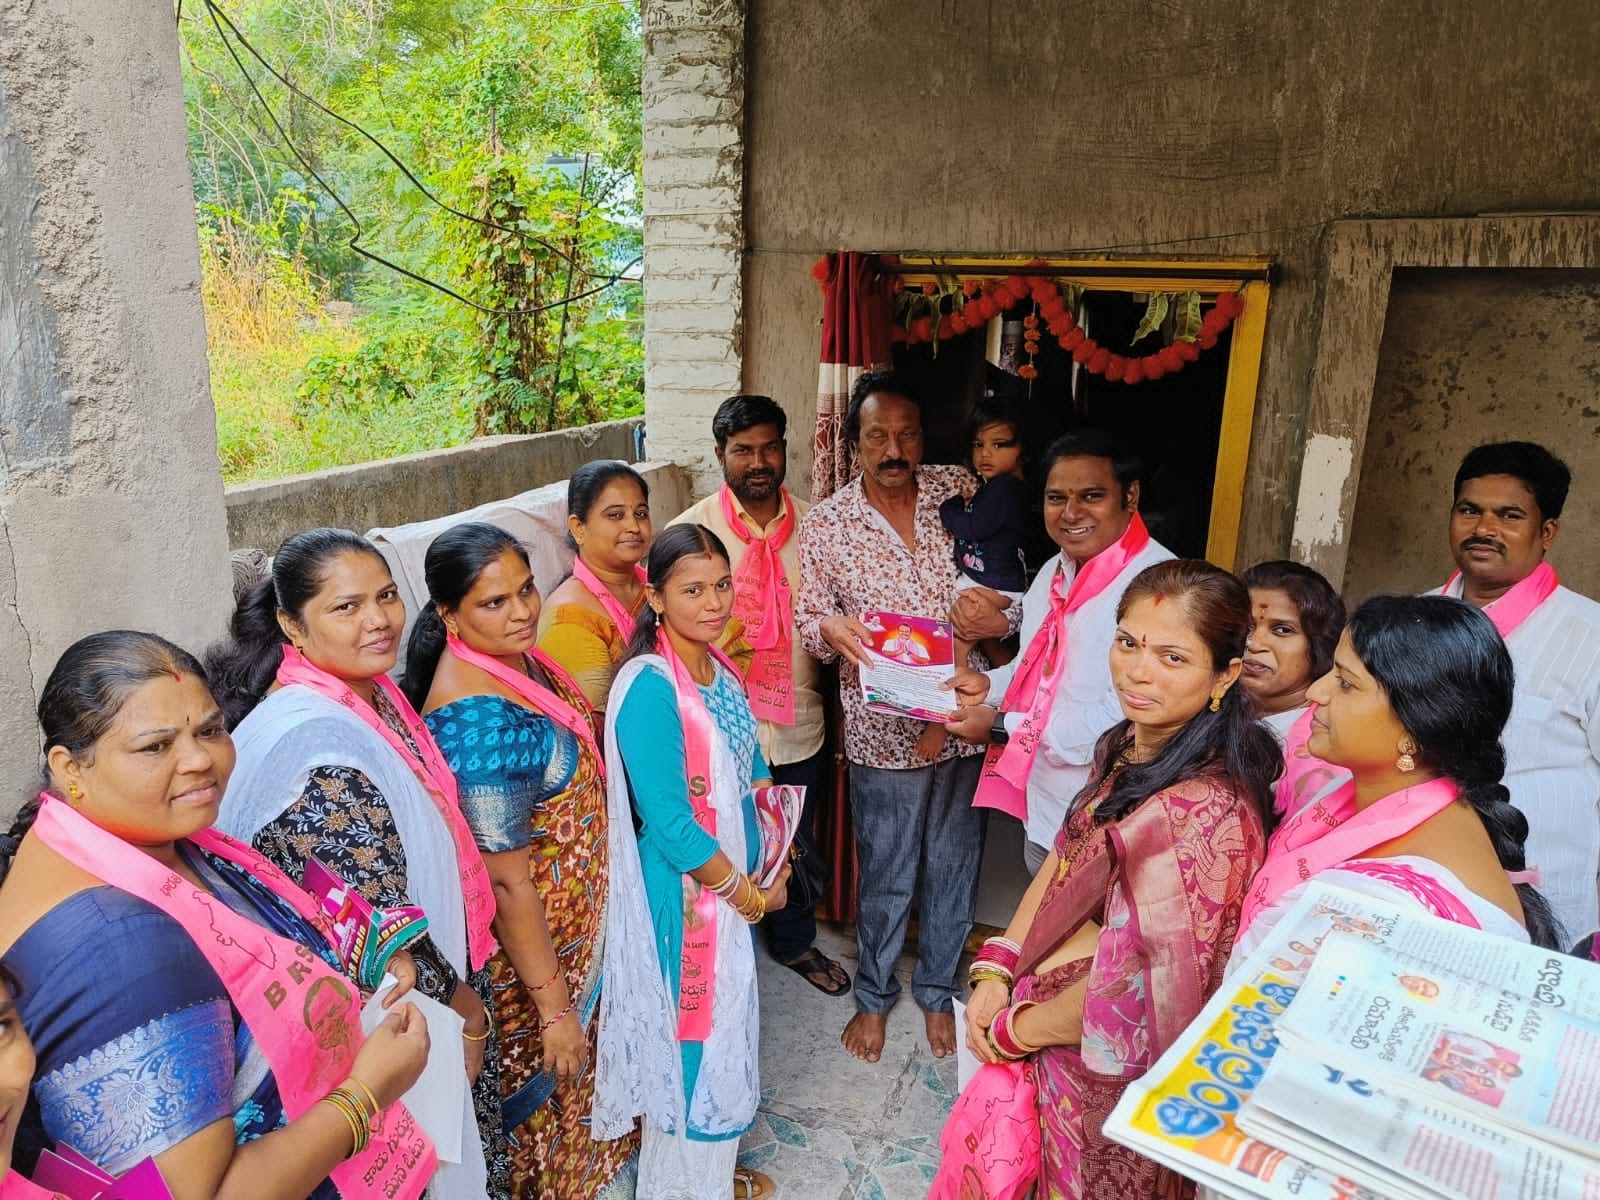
1159,597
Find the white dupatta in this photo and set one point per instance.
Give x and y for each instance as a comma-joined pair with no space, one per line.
288,735
639,1071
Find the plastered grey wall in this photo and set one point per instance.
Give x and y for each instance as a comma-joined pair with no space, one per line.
1469,357
1219,127
110,494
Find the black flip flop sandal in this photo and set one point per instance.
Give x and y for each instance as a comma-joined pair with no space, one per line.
815,962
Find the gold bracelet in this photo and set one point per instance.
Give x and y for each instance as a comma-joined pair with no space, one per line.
347,1106
477,1037
370,1094
717,888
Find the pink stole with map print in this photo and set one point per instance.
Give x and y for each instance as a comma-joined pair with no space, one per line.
431,770
537,696
763,603
1004,782
1333,831
614,608
697,963
305,1016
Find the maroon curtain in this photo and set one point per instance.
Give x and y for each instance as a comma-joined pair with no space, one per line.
856,316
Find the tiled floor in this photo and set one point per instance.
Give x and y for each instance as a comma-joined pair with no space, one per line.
831,1127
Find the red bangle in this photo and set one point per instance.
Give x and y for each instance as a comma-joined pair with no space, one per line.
1000,952
1003,1036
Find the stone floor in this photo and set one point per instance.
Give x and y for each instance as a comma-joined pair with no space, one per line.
833,1127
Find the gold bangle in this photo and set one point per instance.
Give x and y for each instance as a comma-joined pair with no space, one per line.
347,1106
370,1094
477,1037
726,880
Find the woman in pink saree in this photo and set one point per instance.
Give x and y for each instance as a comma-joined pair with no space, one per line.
1127,927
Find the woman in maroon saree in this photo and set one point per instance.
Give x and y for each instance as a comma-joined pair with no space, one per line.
1127,927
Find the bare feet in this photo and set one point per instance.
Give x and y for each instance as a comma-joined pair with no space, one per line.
941,1033
931,742
863,1036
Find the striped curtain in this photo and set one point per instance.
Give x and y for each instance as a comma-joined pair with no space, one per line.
856,316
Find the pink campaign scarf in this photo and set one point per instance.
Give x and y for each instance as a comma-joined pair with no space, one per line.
578,723
15,1187
1004,783
620,616
697,963
1518,603
1333,831
762,601
431,770
305,1016
1304,774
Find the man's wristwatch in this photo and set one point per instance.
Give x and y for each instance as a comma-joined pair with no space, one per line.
999,735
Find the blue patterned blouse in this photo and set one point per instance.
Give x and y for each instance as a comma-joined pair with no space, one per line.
508,760
139,1046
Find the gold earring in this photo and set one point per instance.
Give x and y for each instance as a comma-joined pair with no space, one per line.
1407,761
1216,701
74,794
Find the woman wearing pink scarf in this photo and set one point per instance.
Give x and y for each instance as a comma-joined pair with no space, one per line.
184,999
1127,926
1413,710
335,764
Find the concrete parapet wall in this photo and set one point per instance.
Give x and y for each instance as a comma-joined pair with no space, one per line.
418,487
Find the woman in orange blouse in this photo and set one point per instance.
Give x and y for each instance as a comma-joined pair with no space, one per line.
586,624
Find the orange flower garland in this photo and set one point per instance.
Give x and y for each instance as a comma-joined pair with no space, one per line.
989,300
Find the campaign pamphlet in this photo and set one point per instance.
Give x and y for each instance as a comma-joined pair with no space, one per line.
911,657
778,809
66,1171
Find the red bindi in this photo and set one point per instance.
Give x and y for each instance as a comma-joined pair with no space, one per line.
1159,597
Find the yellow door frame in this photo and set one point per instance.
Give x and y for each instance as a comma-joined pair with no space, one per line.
1210,277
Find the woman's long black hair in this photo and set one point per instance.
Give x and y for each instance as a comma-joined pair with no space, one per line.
86,690
1230,741
451,568
676,542
243,667
1448,678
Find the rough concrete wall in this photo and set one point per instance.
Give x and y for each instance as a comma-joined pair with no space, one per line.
693,222
110,492
1470,357
1212,128
418,487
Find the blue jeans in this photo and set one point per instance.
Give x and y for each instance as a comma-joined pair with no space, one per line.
915,826
791,931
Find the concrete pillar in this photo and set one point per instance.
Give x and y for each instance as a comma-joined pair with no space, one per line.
694,97
111,511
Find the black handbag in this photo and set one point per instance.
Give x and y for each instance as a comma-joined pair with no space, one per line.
808,883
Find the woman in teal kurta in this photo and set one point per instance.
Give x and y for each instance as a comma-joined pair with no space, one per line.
692,1080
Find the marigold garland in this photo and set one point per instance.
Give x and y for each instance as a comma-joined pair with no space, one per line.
986,301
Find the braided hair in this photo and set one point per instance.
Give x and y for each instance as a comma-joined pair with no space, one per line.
1448,677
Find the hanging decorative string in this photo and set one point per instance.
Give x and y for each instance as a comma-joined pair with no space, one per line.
979,303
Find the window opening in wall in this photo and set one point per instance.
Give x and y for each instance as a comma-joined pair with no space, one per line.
1189,415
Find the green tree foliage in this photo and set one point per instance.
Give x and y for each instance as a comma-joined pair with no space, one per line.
519,125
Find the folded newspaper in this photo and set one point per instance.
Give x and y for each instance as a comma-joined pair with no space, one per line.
1368,1049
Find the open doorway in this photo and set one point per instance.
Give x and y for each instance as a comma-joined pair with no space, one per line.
1188,415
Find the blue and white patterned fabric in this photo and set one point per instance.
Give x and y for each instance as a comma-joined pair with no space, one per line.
138,1044
508,760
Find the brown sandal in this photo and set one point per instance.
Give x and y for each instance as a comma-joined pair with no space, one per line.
752,1185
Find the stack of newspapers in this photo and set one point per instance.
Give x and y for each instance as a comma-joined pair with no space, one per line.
1366,1049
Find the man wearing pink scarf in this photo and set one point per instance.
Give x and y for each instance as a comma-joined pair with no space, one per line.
757,518
1508,501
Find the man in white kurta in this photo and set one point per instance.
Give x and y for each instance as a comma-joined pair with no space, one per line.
1508,501
1091,494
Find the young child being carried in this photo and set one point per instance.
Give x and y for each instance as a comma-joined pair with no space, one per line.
989,528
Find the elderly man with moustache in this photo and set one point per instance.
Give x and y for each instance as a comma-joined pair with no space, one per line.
1508,502
756,518
878,543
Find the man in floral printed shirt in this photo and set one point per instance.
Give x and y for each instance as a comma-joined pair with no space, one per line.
878,543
